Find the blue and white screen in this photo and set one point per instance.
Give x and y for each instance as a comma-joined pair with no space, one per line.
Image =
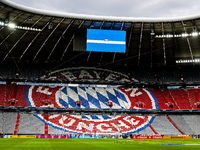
106,40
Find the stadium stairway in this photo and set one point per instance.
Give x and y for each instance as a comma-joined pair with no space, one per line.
46,117
153,129
164,99
30,124
150,125
8,122
181,98
16,92
193,122
171,99
17,124
147,131
2,95
1,122
163,126
182,124
193,95
174,124
11,94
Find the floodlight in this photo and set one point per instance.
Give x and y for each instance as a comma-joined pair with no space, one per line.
195,34
1,23
11,25
184,34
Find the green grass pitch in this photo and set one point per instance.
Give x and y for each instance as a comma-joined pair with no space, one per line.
99,144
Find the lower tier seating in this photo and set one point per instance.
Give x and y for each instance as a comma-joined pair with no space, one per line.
164,127
7,122
65,124
182,124
30,124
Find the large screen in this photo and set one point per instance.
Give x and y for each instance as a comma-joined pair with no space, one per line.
106,40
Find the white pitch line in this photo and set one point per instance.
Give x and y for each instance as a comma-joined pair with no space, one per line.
191,144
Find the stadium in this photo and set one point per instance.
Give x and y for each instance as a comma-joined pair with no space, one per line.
71,76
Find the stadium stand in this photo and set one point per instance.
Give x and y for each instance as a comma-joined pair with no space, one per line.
1,122
29,124
17,124
34,77
163,126
146,131
194,98
181,98
182,124
90,98
162,100
9,122
192,121
2,97
174,124
167,99
53,130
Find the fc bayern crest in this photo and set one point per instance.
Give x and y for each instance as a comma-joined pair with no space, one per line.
93,97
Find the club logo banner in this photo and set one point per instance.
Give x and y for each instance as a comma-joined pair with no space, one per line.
92,97
66,97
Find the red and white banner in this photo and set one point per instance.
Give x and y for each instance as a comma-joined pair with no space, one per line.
147,137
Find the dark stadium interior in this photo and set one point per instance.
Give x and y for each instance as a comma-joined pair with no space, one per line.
55,42
158,76
147,54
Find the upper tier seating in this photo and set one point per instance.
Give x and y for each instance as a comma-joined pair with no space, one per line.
194,95
164,101
2,95
181,98
90,97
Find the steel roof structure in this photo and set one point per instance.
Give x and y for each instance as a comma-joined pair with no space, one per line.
28,34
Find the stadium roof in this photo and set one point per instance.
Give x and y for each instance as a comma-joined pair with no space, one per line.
28,34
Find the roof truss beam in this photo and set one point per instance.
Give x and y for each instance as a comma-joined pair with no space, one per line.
48,37
60,39
188,41
70,42
152,42
34,40
21,38
195,26
140,46
12,31
164,48
90,51
14,19
129,41
175,40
